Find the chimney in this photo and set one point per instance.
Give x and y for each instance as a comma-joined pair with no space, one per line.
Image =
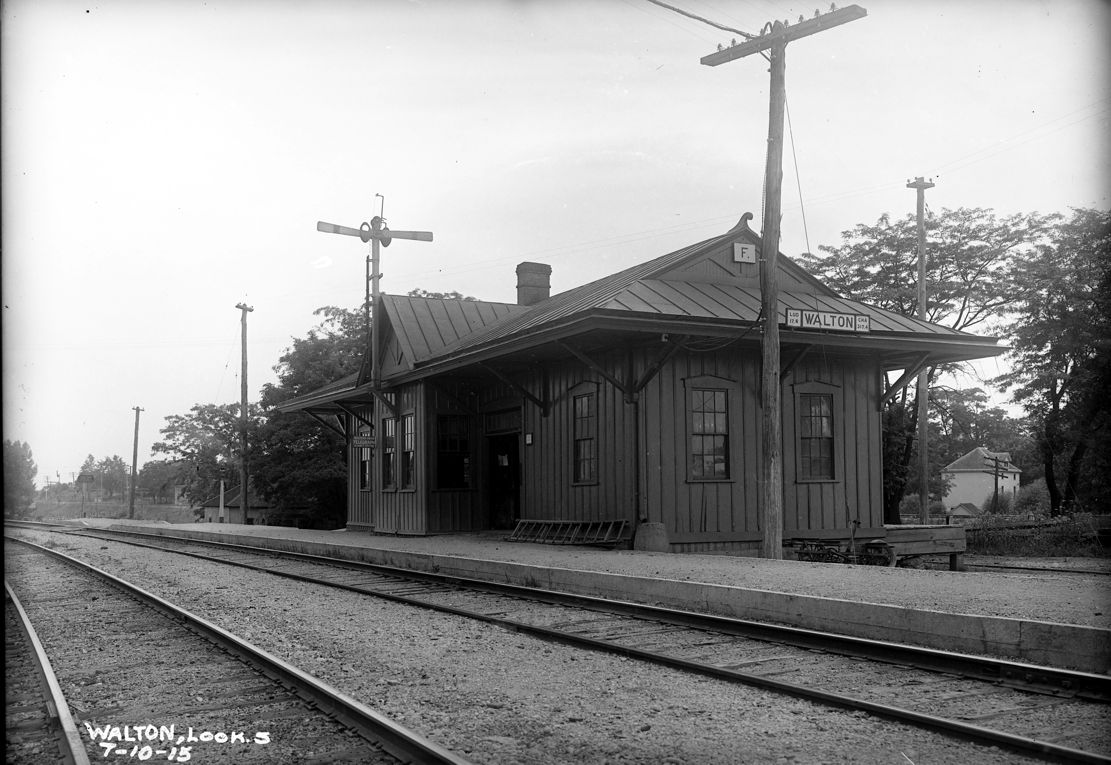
534,283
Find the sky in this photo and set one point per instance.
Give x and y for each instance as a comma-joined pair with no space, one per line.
165,160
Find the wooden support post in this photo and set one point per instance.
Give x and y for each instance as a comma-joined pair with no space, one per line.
771,472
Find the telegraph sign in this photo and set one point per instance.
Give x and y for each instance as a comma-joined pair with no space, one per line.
363,442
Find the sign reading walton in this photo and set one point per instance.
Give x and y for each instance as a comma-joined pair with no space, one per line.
843,322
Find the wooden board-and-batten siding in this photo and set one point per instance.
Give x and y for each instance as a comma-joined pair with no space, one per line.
703,515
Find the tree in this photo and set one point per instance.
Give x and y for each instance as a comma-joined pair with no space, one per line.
963,420
1061,354
113,474
158,478
968,283
207,442
19,479
300,467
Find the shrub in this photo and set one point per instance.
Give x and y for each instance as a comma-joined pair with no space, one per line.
1068,536
1032,499
1002,504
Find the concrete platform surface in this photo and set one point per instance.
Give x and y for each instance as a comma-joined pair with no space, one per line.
1043,617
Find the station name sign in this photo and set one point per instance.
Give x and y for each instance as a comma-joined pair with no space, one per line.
839,322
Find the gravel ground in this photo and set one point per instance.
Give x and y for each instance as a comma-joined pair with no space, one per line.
500,697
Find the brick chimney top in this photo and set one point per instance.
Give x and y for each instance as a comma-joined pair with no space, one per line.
534,283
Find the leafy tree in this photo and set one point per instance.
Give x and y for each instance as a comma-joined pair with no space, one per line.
301,468
19,479
113,473
968,283
158,478
1061,354
963,420
206,442
453,295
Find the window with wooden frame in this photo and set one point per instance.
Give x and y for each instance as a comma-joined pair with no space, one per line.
366,461
389,453
585,435
453,451
815,416
708,427
408,451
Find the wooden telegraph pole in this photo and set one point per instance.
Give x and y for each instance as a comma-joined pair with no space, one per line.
775,41
374,232
134,461
243,503
921,184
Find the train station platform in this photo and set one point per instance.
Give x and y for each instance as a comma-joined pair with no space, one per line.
1041,617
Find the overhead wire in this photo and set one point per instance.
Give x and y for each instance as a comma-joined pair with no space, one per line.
689,15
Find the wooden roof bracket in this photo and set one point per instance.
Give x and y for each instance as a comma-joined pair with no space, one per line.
669,349
331,426
543,405
629,392
384,400
908,374
354,413
786,370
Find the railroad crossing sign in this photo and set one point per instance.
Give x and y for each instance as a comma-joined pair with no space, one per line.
374,232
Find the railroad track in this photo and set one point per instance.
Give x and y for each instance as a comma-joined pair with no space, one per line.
1050,713
148,680
39,727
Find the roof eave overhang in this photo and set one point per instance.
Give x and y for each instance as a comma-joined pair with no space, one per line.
894,349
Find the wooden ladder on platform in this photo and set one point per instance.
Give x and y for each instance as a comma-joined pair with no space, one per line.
570,532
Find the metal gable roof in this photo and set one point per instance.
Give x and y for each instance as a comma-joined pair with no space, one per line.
425,326
640,292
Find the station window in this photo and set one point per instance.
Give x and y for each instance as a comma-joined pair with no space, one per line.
709,434
408,452
586,441
366,457
453,452
389,453
815,436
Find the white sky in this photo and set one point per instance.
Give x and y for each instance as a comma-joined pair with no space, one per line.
164,160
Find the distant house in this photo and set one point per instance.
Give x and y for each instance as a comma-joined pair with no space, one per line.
972,477
257,508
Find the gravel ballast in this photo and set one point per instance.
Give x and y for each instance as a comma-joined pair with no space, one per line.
500,697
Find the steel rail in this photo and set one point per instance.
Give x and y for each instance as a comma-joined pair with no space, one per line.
1013,674
394,738
72,748
974,733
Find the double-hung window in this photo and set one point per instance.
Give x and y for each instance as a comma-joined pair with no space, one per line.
586,439
408,451
709,434
389,453
815,436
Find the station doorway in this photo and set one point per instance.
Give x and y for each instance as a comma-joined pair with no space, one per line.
503,478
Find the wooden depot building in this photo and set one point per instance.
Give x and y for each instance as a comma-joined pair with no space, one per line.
634,398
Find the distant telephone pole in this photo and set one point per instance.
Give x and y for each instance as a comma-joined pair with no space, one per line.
134,462
920,184
771,475
245,309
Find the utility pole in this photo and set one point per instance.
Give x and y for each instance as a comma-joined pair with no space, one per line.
920,184
245,309
134,462
374,232
771,473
